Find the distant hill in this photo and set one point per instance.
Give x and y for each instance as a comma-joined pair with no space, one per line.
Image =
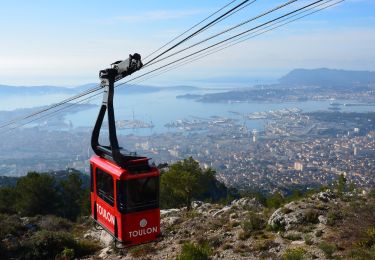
328,78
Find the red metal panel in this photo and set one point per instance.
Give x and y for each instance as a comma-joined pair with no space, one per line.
140,227
107,166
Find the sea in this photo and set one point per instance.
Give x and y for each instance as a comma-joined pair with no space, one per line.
162,107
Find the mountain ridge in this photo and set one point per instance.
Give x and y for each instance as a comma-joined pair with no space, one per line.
328,77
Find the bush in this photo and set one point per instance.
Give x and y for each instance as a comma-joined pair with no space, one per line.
293,236
294,254
10,224
7,199
369,241
275,227
362,253
312,216
191,251
48,244
253,223
333,217
54,223
275,200
308,239
263,244
66,254
36,194
328,249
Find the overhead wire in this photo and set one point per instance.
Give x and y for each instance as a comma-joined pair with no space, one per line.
8,123
198,31
223,32
53,113
220,42
191,28
87,92
245,37
164,66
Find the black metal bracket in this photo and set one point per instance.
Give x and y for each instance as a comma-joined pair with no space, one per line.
108,77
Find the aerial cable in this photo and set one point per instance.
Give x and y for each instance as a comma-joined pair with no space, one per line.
87,92
191,28
223,32
53,113
229,15
98,88
245,37
195,58
223,41
13,121
198,31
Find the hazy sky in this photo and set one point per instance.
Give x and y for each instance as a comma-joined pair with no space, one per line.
66,42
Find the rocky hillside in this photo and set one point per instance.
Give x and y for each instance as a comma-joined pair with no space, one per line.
323,226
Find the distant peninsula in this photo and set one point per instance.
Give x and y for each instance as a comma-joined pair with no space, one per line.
302,85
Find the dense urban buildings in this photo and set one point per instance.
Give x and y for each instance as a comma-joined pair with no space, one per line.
294,148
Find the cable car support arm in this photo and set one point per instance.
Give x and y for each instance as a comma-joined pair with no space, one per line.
108,77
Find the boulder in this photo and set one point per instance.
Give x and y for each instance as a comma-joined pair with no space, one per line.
221,211
168,212
325,196
294,217
247,203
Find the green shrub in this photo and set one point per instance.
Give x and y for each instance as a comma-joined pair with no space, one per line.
263,244
362,253
275,227
333,216
293,236
192,251
54,223
328,249
253,223
319,233
275,200
372,193
48,244
312,216
7,199
66,254
369,240
10,224
308,239
294,254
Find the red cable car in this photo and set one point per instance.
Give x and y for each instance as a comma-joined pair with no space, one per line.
124,186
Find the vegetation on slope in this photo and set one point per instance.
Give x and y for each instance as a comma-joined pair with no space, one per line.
43,217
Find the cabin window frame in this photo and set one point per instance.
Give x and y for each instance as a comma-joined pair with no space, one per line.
105,188
124,192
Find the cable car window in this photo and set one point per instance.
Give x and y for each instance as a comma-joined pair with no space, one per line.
104,186
138,194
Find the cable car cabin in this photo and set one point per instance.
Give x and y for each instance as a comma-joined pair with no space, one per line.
125,202
124,187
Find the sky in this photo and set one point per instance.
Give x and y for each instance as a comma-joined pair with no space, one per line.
66,42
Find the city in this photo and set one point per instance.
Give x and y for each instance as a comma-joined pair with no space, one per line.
293,149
